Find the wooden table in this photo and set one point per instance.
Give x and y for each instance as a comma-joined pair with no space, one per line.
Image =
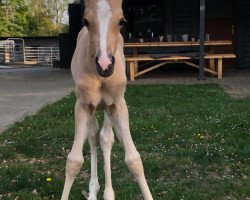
176,44
210,44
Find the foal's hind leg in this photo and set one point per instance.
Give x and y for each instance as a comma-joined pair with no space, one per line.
106,141
118,113
93,136
75,157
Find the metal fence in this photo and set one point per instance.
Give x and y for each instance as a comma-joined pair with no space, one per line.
16,53
41,55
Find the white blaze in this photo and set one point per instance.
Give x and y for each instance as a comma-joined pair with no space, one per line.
103,16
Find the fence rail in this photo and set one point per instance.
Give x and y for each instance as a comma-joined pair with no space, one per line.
10,53
41,55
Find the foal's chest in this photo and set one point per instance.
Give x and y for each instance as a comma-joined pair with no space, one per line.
100,93
111,92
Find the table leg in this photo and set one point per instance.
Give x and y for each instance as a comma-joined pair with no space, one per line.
136,67
211,61
135,54
132,71
219,68
127,68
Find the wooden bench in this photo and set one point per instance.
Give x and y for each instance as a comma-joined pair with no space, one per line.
215,66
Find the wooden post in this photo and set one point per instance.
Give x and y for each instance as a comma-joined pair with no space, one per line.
202,40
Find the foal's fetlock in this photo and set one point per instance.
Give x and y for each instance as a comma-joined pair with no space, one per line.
94,188
109,194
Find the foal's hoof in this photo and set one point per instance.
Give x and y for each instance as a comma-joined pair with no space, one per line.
109,195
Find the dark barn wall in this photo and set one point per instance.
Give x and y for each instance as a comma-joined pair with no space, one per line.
243,34
177,18
144,17
181,17
220,23
42,42
67,46
171,16
67,42
75,19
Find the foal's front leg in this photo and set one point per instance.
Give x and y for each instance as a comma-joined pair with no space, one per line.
93,136
75,158
106,141
118,113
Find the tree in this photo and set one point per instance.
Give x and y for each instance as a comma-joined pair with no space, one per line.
32,17
13,17
46,16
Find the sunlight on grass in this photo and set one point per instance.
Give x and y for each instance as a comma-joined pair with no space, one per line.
194,142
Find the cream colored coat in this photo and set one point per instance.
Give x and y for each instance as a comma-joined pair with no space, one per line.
94,92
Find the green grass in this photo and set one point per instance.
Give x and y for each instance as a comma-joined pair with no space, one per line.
194,142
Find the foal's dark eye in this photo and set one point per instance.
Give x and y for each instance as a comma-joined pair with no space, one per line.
122,22
85,22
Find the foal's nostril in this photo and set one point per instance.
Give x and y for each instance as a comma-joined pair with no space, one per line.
112,59
96,60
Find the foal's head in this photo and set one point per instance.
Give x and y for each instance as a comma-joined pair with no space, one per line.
104,19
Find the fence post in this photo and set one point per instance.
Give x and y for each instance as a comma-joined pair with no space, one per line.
51,55
202,40
6,54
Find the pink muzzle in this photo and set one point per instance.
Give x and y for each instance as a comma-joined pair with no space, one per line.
104,62
105,65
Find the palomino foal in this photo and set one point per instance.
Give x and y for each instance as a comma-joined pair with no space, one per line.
98,69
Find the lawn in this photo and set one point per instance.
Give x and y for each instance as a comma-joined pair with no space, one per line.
194,142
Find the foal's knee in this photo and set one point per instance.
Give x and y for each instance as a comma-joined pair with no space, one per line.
134,164
74,164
